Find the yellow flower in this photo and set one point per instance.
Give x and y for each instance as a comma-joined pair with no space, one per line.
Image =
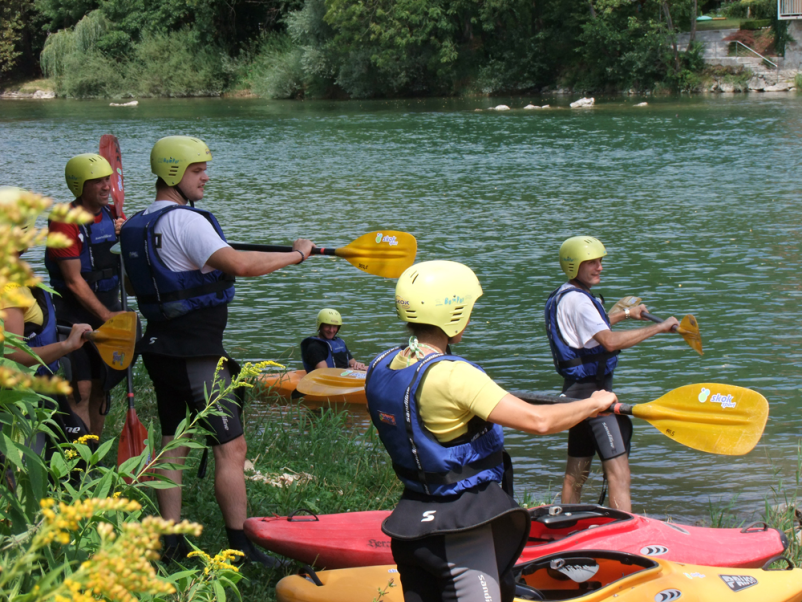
86,438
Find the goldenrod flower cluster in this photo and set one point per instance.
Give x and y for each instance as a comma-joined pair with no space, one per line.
18,212
61,519
218,562
122,566
84,439
250,371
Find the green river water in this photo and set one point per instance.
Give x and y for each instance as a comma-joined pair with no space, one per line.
698,201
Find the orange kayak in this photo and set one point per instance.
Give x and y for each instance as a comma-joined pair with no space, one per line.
282,384
334,385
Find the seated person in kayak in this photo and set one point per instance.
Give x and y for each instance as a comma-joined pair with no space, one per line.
327,350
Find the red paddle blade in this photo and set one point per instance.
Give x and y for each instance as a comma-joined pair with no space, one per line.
133,440
110,150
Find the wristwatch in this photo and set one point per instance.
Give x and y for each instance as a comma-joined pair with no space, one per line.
626,314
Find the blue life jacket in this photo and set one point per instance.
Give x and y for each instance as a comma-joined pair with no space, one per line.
577,364
420,461
337,351
46,334
161,293
99,266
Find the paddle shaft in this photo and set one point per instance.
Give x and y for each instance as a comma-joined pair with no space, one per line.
657,320
625,409
244,246
89,336
129,375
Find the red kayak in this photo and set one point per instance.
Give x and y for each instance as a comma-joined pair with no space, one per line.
335,541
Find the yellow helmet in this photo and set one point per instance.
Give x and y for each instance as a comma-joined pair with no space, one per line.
439,293
329,316
81,168
578,249
172,155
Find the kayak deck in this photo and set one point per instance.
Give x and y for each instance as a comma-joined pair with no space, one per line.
355,538
581,576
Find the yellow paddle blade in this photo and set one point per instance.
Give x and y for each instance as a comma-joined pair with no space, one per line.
689,329
332,382
714,418
115,340
387,253
623,303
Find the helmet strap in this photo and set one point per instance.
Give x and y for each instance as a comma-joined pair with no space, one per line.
578,283
415,349
183,196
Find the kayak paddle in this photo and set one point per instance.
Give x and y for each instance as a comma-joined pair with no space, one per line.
114,340
110,151
332,382
688,328
714,418
386,253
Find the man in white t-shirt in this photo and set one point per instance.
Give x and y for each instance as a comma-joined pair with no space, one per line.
182,271
585,351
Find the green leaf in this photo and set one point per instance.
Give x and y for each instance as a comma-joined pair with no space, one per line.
219,591
101,451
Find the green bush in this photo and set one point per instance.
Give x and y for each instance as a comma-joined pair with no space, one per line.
175,64
756,24
278,68
90,75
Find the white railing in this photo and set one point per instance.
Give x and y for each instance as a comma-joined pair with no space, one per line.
741,44
789,9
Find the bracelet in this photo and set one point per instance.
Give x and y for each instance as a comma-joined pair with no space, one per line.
303,257
626,314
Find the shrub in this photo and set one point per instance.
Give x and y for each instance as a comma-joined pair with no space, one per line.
756,24
90,75
278,70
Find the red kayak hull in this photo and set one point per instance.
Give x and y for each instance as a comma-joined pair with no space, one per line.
354,539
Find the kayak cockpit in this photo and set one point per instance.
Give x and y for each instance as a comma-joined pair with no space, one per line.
553,523
575,574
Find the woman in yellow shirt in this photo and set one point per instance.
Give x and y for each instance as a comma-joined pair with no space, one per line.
456,532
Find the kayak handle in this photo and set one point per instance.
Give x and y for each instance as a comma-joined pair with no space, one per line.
759,525
293,518
310,573
789,564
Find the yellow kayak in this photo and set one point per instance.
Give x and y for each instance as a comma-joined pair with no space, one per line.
335,385
581,576
282,384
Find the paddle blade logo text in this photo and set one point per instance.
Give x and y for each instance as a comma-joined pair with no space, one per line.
118,358
390,240
704,395
726,401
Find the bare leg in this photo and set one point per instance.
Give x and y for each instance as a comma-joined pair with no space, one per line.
170,499
84,391
229,481
618,478
97,401
576,473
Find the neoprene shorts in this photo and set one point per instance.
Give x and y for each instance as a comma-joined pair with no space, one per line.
609,436
179,384
458,567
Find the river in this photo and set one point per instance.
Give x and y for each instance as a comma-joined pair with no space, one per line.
697,200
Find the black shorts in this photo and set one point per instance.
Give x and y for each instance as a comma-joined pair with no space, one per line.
455,567
609,436
179,384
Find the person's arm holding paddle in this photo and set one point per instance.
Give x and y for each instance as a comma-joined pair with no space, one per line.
256,263
513,412
624,339
15,323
